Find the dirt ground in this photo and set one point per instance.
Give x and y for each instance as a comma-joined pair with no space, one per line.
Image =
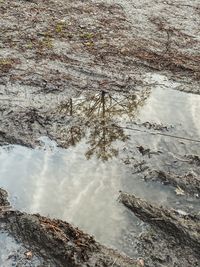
54,45
52,51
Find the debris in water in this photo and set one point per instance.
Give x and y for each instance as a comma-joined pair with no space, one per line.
29,254
179,191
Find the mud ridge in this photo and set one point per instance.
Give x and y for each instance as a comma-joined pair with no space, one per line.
173,231
60,241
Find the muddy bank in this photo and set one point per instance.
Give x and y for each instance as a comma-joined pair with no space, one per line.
59,242
172,241
159,249
66,245
175,239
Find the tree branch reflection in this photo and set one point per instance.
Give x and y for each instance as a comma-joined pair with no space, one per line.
95,117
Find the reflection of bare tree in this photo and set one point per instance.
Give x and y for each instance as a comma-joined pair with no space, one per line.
103,134
74,135
96,117
102,138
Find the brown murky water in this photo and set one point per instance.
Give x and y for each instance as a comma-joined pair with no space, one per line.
80,184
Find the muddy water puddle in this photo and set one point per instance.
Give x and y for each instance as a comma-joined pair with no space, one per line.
111,142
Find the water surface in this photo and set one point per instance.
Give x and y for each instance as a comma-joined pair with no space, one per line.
81,183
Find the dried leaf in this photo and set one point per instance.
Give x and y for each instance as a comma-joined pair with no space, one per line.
140,262
29,255
179,191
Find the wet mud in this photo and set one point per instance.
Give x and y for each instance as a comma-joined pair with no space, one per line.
162,165
58,242
179,236
97,97
114,45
